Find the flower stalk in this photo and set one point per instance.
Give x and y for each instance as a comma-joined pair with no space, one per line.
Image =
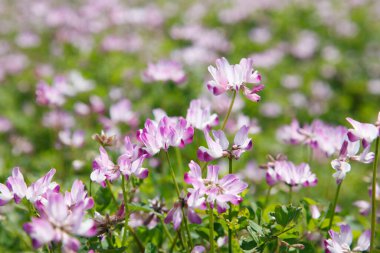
373,208
334,205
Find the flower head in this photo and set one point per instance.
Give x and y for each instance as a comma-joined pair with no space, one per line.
58,223
199,115
169,131
362,131
165,70
290,174
219,192
219,146
341,242
235,77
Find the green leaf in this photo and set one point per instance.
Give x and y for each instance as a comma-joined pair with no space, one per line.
284,215
150,248
102,198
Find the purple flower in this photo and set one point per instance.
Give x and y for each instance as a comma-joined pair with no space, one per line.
219,147
104,169
290,134
198,249
349,152
362,131
165,70
169,131
341,242
130,163
17,189
235,77
72,138
121,112
199,115
58,223
188,205
290,174
219,192
78,196
49,95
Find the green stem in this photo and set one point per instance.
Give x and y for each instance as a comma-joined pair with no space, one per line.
211,217
230,212
179,197
179,159
373,211
166,231
334,205
173,175
125,208
290,194
229,110
137,239
174,241
267,196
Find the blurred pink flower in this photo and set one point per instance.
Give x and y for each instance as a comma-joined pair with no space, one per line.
165,70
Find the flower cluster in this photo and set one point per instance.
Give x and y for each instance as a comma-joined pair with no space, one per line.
215,192
235,77
168,132
219,147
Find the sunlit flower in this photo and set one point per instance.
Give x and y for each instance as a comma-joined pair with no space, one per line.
235,77
219,192
341,242
199,115
219,147
362,131
290,174
168,132
57,223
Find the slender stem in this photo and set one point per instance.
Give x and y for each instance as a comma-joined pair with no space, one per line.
179,197
173,175
229,110
124,186
137,239
230,212
179,159
290,194
334,205
211,217
373,211
110,188
174,241
267,196
187,229
166,231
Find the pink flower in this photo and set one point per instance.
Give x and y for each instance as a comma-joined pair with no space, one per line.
57,223
78,196
362,131
341,242
219,192
199,115
235,77
188,205
219,147
290,174
104,169
166,133
290,134
72,138
349,152
121,112
130,163
49,95
17,189
165,70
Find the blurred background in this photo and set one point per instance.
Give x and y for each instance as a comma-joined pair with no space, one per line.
318,60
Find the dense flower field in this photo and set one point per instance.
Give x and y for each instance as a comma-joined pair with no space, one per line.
189,126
